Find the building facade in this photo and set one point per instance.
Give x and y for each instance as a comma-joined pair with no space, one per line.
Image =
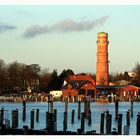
79,86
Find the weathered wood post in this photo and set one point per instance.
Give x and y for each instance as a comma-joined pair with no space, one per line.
24,110
116,109
88,106
51,124
79,109
55,119
37,115
108,123
109,99
51,106
119,124
83,122
55,115
89,117
128,118
102,123
47,119
66,105
25,130
65,122
1,116
131,107
14,118
85,107
114,98
138,124
32,119
126,130
107,112
72,116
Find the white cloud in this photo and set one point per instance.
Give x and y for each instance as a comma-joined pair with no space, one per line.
5,27
67,25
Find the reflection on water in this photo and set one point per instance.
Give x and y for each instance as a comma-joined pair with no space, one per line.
96,110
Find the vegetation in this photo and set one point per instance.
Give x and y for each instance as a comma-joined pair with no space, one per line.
18,77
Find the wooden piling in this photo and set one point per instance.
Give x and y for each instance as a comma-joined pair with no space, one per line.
66,106
109,99
72,116
47,119
108,123
131,107
138,124
50,123
107,112
88,106
128,118
114,98
119,124
126,130
79,109
32,119
14,118
89,117
85,107
116,109
65,122
51,107
1,116
24,110
83,122
55,115
37,115
102,123
25,130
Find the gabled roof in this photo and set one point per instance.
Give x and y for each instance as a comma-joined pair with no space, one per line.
116,87
76,84
77,81
81,78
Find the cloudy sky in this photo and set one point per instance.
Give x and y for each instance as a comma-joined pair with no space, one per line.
64,36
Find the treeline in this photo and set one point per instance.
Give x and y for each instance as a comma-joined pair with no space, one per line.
15,77
133,80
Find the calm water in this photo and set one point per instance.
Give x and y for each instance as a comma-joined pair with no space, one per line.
96,110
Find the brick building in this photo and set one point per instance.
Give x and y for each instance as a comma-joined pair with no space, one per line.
79,86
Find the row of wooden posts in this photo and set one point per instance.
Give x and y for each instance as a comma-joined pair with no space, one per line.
51,118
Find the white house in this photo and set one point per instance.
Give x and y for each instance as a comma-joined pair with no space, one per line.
56,93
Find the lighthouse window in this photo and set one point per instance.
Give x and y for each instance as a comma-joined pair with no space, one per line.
100,49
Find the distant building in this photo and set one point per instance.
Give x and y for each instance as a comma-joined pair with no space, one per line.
79,85
56,93
120,91
132,74
122,82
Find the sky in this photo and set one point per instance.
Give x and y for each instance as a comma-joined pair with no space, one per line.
64,36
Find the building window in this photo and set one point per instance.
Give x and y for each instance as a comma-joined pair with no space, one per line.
90,93
82,92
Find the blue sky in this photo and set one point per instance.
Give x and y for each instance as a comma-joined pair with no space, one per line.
64,36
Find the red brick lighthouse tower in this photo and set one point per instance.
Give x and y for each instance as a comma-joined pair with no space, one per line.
102,59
